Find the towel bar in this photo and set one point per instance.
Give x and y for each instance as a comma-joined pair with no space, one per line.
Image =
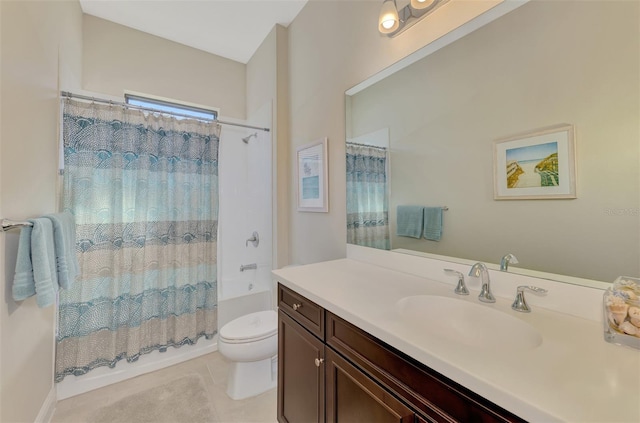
8,224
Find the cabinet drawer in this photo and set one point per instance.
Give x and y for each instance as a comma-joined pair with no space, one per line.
309,314
437,398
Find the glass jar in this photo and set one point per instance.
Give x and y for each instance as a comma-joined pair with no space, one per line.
621,306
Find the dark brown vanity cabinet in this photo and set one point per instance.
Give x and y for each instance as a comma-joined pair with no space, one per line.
331,371
300,373
352,396
301,370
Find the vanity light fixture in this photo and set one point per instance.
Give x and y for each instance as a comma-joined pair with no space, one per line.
389,21
393,21
421,4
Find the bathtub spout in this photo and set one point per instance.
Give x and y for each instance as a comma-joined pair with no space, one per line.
251,266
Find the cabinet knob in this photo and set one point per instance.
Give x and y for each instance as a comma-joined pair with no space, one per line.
296,307
319,361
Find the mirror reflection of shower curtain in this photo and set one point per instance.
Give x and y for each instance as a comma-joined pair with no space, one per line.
367,196
144,192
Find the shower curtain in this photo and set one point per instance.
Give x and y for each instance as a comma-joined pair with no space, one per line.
367,196
144,192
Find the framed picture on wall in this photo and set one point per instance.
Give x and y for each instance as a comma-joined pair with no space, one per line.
539,164
312,177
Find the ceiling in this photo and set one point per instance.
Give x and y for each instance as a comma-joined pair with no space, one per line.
229,28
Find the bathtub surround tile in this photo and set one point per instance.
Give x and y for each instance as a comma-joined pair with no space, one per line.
205,379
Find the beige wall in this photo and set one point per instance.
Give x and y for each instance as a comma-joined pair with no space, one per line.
445,111
333,45
34,35
267,82
117,58
46,47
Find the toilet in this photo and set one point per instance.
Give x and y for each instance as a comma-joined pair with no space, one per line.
250,342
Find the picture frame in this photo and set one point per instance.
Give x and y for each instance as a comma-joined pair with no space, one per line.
539,164
312,177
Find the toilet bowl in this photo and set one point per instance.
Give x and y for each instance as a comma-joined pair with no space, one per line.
250,342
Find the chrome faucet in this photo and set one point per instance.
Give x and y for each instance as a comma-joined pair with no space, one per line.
506,259
519,304
251,266
480,270
461,289
254,240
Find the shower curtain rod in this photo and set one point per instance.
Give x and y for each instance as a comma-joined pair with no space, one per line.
367,145
66,94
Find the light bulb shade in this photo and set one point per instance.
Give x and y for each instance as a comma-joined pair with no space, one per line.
421,4
389,20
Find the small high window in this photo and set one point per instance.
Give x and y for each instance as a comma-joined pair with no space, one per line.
181,110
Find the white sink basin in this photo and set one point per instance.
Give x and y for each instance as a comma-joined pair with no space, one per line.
466,323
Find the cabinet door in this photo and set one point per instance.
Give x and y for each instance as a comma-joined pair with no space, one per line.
426,391
352,397
300,373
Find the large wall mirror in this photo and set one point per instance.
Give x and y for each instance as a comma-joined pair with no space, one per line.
425,136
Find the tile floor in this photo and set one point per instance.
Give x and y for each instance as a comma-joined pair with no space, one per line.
214,367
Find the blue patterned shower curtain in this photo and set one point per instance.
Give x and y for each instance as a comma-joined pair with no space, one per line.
144,193
367,196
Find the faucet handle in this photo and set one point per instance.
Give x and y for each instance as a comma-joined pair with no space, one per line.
506,260
519,304
461,289
255,239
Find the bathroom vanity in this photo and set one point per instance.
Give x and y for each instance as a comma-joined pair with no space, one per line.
348,353
332,369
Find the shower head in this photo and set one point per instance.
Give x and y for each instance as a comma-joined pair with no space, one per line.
247,138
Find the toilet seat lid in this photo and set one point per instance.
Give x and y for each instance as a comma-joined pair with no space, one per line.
254,326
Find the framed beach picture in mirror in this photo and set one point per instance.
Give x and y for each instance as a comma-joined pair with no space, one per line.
312,177
539,164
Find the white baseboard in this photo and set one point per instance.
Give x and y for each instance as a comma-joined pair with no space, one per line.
103,376
48,407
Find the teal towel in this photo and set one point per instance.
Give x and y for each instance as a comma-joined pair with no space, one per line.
44,262
64,238
410,221
23,284
433,223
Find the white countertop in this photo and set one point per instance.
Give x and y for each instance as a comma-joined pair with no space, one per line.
574,375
